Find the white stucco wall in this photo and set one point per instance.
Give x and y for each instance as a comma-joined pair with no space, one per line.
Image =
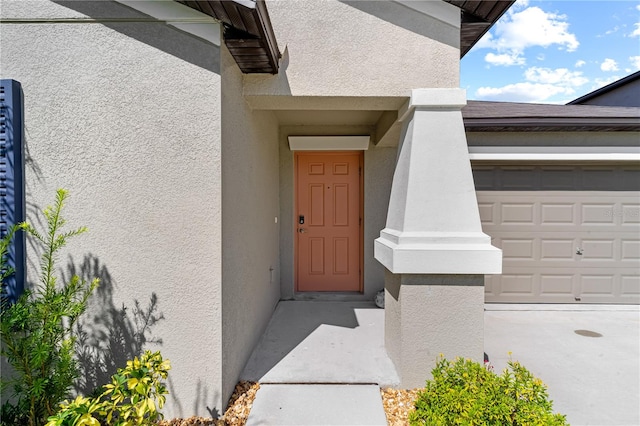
358,48
250,224
124,115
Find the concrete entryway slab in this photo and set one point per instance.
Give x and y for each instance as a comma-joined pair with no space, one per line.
594,380
329,405
323,342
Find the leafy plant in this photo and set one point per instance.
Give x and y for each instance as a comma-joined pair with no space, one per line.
463,392
134,397
37,338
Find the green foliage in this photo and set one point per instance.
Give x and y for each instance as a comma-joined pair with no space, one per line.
5,242
463,392
134,397
37,338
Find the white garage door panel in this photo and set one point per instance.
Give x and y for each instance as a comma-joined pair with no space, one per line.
564,246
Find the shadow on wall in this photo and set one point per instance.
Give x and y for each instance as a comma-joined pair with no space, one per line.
33,211
150,31
411,20
202,396
109,335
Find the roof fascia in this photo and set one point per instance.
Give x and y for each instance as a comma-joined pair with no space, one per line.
605,89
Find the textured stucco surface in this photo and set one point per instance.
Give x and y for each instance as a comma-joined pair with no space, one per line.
433,224
129,127
429,315
361,48
250,263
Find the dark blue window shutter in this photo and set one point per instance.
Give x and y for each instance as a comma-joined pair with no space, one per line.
12,193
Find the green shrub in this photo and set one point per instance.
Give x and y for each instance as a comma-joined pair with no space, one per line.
36,330
463,392
134,397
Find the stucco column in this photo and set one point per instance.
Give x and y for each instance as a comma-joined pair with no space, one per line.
433,245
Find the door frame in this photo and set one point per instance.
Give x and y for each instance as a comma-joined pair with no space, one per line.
294,229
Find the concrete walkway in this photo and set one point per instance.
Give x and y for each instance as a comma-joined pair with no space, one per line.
320,363
298,405
323,342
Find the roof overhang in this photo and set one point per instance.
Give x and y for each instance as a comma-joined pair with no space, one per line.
477,17
248,33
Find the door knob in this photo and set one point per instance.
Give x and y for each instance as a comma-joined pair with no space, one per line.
302,230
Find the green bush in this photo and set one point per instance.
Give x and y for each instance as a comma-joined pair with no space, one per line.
134,397
36,330
463,392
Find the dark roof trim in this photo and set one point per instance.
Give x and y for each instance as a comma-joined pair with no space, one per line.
480,116
250,38
248,33
607,88
477,18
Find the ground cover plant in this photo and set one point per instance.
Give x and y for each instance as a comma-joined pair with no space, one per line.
134,397
464,392
37,330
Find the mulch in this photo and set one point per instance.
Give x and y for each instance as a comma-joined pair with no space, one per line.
397,404
236,414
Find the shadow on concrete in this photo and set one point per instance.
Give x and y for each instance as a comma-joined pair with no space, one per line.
322,342
109,335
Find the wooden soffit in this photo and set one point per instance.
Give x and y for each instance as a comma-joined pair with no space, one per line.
477,17
248,33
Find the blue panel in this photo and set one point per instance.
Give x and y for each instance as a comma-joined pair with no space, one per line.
12,193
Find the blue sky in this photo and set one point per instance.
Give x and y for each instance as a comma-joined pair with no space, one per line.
554,51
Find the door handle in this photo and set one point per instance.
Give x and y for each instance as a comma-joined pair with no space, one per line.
302,230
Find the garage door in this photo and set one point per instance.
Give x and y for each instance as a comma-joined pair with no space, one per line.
562,246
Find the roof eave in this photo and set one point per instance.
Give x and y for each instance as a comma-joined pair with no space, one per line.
552,124
248,33
605,89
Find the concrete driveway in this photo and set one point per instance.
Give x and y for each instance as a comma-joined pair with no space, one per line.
589,356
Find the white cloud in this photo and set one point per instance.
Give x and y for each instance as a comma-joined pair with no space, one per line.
558,76
613,30
540,85
531,27
600,82
609,65
504,59
522,92
635,61
580,63
636,32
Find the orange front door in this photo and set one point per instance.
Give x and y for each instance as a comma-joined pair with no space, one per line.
328,221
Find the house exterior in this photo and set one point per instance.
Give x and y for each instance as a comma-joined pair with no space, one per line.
226,155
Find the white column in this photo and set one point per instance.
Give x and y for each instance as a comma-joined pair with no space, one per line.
433,245
433,224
